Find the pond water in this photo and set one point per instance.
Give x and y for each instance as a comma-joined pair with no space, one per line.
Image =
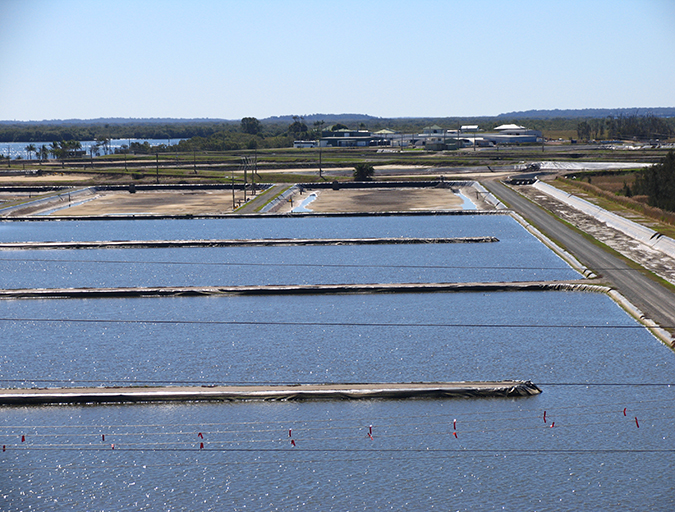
600,435
301,226
518,256
317,338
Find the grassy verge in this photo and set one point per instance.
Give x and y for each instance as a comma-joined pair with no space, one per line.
619,204
271,198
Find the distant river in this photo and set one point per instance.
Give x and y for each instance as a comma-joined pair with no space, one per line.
18,149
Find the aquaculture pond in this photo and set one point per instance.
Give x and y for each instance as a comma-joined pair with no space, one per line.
599,436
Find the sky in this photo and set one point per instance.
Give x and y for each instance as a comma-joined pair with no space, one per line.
223,59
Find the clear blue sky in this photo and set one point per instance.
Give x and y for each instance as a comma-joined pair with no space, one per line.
64,59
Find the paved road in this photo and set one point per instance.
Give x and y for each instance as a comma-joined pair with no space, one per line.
654,300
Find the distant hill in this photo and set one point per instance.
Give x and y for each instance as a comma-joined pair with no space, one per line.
310,118
120,120
353,119
589,112
329,118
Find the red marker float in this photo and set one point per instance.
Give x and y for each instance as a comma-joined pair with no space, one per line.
3,447
112,446
544,416
624,411
292,442
636,422
200,436
103,438
455,434
201,446
370,435
370,430
454,425
23,439
290,432
552,425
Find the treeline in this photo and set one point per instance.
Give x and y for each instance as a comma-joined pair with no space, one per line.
635,127
41,132
280,132
658,183
249,134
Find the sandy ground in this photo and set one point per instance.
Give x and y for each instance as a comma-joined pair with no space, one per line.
39,180
153,203
382,200
218,202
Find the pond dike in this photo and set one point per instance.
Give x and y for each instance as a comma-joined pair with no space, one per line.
496,389
262,242
192,291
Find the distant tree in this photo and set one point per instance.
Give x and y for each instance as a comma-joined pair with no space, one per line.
104,142
30,149
298,129
60,149
55,150
318,128
363,172
42,152
583,130
251,125
638,127
658,183
339,126
139,149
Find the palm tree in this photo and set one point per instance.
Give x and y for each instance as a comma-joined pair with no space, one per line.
56,150
42,152
30,149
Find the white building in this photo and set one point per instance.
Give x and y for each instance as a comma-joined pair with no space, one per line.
513,134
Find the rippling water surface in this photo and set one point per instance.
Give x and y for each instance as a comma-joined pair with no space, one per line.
256,227
517,256
606,441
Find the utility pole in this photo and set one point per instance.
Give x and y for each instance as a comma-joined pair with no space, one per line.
319,142
233,206
157,166
255,165
542,142
245,177
253,170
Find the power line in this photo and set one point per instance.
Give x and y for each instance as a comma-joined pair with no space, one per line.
320,265
284,383
322,460
318,324
469,421
358,422
444,451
